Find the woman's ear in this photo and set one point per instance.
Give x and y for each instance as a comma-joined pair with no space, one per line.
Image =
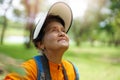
40,45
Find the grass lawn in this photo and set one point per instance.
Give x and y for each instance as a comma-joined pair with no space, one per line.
94,63
18,51
101,63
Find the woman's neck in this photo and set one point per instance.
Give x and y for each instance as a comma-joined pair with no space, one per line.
54,56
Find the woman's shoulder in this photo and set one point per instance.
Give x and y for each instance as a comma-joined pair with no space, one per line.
29,73
29,63
67,64
71,69
30,67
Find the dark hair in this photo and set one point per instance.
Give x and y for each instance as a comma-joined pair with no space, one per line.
49,19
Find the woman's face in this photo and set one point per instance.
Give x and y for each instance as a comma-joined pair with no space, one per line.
55,37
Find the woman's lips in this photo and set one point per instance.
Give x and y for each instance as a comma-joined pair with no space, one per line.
62,39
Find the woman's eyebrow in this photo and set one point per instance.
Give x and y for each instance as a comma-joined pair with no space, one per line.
49,28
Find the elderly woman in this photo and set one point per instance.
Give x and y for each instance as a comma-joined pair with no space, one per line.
51,39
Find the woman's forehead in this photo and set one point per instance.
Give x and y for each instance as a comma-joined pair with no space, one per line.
53,25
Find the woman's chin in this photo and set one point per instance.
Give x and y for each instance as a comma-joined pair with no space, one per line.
65,45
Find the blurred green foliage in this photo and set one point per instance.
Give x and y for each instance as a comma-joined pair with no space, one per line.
97,25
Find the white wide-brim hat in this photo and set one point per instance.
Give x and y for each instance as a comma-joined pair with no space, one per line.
60,9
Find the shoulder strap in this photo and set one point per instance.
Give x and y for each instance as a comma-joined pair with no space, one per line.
44,72
43,68
64,72
46,67
40,72
75,70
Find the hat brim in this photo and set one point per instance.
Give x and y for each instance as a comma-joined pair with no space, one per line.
60,9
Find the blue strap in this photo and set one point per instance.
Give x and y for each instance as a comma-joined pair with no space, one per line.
42,63
40,75
64,72
46,67
76,72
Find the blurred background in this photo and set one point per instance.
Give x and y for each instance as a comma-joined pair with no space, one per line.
94,36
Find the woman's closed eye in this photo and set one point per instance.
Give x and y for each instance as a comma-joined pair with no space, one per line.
63,30
54,30
57,30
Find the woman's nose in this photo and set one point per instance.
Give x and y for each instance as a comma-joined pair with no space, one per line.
61,33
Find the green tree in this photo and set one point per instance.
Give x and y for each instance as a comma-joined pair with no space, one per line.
5,9
115,20
75,31
86,29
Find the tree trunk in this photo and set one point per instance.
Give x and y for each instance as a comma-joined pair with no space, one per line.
5,23
4,29
29,28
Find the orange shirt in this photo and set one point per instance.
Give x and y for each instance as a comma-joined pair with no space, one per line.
55,71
